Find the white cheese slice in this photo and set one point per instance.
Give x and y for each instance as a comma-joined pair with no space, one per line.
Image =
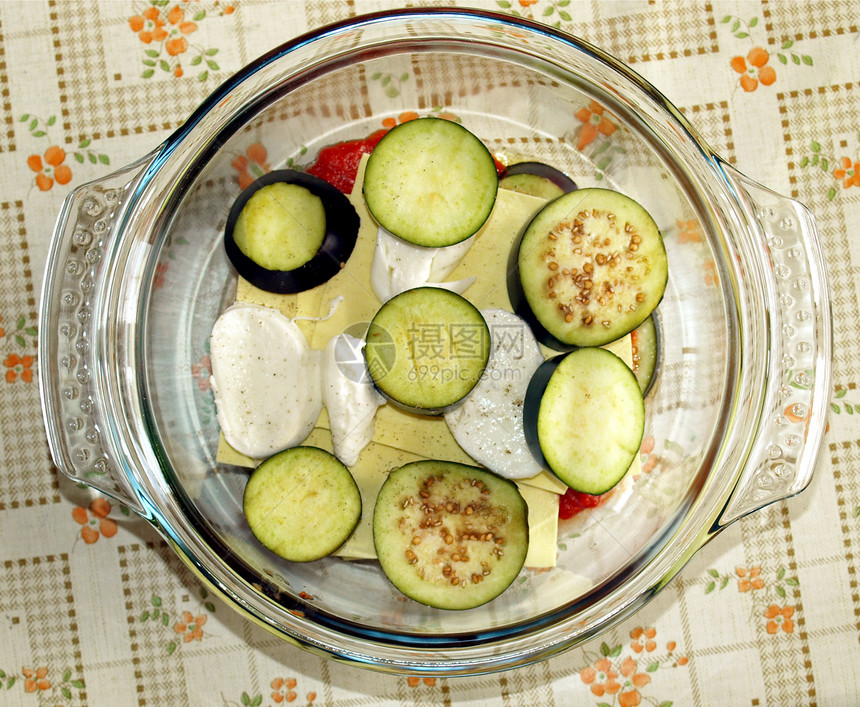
349,397
488,425
266,380
398,266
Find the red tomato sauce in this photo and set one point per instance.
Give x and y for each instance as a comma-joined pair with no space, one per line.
573,502
338,164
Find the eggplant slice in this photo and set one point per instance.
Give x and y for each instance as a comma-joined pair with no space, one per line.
337,243
536,179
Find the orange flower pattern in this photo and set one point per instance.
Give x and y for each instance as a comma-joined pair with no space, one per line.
172,29
284,690
149,26
594,123
190,627
35,680
779,618
51,167
754,69
710,276
48,690
601,678
688,231
848,173
643,639
94,520
252,165
623,677
414,681
185,627
164,30
649,461
408,115
633,681
19,368
404,117
749,579
180,28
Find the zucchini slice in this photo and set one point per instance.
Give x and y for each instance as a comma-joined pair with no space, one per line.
449,535
302,503
426,349
584,418
589,268
430,182
290,231
536,179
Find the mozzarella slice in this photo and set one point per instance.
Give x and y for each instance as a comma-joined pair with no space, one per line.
350,399
266,380
488,425
398,266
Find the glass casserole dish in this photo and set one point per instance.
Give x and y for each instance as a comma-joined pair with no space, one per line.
137,276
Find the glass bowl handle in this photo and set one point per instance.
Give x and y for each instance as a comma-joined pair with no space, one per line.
793,416
67,323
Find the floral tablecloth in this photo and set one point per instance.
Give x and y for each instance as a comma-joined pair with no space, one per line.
94,607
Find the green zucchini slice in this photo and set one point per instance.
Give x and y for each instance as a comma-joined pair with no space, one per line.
449,535
302,503
426,348
589,268
430,182
584,418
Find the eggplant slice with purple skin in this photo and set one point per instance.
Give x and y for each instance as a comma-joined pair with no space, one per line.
336,238
449,535
588,269
426,349
584,417
430,182
647,342
536,179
